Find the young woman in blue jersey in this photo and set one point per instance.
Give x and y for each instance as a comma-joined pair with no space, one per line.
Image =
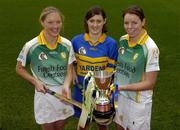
94,50
136,72
49,56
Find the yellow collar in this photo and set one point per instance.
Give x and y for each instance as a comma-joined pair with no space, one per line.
100,40
42,41
140,41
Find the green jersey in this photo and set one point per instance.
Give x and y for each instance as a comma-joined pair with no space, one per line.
47,64
132,64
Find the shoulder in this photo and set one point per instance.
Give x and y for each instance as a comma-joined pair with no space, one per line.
150,44
65,41
110,41
151,47
31,43
109,38
124,37
123,40
78,37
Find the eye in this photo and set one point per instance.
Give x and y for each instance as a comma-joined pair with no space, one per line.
134,22
91,20
126,23
99,21
50,22
58,22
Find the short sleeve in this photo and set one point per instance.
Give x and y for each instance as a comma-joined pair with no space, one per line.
71,56
153,60
23,56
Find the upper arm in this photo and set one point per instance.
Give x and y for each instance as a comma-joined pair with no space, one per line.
112,54
19,65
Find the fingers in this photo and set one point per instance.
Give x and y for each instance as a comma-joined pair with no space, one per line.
75,80
40,87
66,93
69,95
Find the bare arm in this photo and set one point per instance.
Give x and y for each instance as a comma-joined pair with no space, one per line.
147,84
74,75
20,70
67,81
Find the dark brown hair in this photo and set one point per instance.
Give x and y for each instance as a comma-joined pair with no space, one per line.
95,10
134,9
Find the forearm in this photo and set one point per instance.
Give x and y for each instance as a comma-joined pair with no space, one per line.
20,70
68,78
136,87
147,84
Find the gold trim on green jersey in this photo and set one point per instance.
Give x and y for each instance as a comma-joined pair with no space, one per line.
140,41
42,41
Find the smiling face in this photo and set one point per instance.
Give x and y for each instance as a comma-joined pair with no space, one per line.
133,25
95,24
52,24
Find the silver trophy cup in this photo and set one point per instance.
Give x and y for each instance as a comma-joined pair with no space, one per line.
103,112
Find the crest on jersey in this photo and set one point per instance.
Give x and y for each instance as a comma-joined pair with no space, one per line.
63,55
42,56
135,56
121,50
155,53
82,51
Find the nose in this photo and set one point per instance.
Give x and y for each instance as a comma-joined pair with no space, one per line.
129,25
95,24
56,25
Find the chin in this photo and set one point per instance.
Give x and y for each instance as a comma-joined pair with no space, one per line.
131,35
54,34
95,33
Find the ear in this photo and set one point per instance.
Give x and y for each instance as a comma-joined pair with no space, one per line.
104,20
143,22
42,23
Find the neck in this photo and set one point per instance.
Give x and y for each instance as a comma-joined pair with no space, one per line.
94,38
50,39
136,38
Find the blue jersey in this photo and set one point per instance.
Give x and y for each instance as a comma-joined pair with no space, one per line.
93,57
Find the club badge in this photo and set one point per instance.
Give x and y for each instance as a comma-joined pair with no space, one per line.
82,51
42,56
135,56
63,55
155,53
121,50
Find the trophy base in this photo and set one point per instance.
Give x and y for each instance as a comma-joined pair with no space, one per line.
104,118
103,108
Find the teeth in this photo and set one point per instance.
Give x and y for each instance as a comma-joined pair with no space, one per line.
55,30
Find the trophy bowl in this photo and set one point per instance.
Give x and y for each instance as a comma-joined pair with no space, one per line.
102,79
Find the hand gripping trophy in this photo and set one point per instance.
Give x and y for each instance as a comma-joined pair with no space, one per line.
101,105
